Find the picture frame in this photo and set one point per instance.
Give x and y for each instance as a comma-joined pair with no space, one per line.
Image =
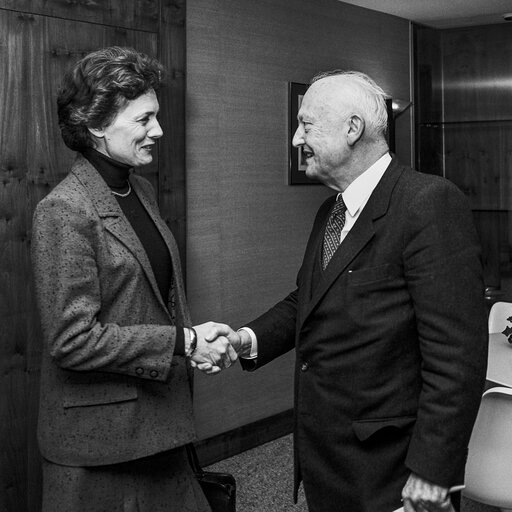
296,160
390,132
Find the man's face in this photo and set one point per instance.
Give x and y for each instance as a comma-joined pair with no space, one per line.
322,132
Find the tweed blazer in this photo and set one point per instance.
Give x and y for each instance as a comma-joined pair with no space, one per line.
111,388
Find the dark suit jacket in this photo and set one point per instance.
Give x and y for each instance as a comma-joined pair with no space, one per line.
391,345
111,389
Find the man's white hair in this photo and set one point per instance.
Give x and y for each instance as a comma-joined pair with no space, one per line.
366,95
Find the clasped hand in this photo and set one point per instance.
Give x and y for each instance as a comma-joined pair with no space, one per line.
217,347
420,495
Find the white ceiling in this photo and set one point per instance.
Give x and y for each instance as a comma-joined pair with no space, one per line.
443,13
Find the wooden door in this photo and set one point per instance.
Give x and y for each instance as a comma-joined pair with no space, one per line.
39,40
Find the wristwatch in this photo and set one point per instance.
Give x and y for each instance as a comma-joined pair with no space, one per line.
193,341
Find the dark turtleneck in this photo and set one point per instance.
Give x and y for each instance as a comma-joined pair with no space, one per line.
116,175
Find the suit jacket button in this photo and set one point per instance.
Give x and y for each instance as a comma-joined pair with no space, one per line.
304,367
153,374
139,370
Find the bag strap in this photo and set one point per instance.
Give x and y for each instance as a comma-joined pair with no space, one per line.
193,458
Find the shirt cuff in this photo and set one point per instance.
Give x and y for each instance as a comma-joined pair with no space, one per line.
254,343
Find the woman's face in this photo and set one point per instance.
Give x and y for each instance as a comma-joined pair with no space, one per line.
130,137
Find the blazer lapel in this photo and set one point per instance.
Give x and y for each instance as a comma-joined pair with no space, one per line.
113,217
358,237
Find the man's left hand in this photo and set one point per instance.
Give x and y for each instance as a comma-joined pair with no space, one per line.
420,495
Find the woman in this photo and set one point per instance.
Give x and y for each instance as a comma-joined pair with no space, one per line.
115,407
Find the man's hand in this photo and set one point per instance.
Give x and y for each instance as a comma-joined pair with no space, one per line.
422,496
216,347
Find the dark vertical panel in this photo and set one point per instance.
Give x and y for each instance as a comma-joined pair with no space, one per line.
428,100
172,147
477,73
489,225
473,134
19,349
478,134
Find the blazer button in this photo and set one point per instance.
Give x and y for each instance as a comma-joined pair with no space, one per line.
153,374
304,367
139,370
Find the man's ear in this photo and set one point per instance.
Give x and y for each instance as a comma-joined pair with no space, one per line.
356,126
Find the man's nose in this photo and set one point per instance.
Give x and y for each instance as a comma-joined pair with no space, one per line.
298,137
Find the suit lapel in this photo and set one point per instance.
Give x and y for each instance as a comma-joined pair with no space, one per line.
113,217
358,237
313,249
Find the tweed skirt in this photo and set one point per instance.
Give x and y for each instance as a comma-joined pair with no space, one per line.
160,483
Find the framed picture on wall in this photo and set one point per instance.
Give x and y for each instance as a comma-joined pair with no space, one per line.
296,160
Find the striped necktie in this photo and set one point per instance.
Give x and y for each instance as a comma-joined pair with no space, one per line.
333,231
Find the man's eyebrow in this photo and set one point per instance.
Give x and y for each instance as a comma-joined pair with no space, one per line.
304,118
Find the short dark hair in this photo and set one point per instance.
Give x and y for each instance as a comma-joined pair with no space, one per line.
97,86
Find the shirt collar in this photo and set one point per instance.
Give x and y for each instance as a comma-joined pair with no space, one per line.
357,193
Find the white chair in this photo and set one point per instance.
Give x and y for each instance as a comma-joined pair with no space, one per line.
489,466
498,315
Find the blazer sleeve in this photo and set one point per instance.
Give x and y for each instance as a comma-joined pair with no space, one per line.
69,297
444,277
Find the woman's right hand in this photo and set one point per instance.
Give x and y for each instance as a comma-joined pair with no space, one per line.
217,347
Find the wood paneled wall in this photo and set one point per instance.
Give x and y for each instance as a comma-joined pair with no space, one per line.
247,228
477,78
465,129
39,39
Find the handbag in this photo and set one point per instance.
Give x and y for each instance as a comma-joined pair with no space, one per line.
219,488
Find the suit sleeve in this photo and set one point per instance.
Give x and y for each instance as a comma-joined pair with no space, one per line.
69,296
276,329
444,277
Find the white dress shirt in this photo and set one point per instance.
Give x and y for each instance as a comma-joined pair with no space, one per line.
355,198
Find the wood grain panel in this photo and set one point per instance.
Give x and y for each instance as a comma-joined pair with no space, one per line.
489,225
428,100
474,161
172,147
34,52
477,73
135,14
472,135
247,228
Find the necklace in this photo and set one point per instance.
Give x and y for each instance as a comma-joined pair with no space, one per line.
126,194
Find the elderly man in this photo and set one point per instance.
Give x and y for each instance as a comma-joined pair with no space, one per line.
388,319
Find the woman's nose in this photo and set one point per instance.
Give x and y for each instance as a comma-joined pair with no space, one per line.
155,131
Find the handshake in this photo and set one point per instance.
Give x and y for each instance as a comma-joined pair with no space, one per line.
218,347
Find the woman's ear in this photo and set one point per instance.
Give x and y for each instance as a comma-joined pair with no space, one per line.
97,132
356,126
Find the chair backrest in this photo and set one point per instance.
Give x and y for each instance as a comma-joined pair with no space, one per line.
498,315
489,465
